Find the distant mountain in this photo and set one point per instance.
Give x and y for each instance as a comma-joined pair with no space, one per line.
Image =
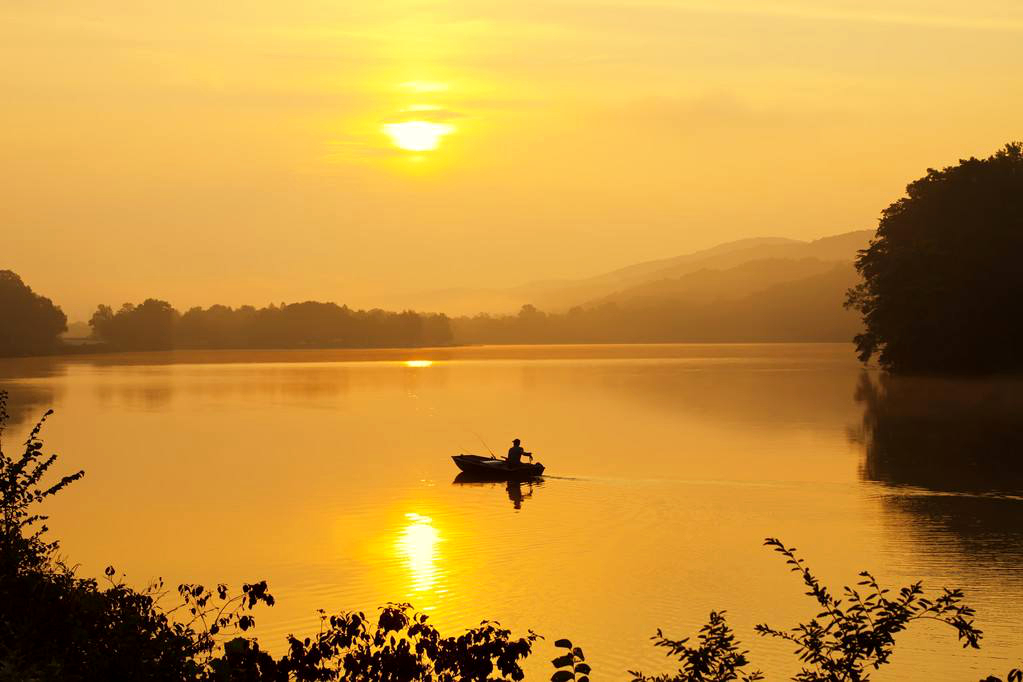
804,309
839,248
558,295
77,330
808,308
789,291
640,272
715,286
709,274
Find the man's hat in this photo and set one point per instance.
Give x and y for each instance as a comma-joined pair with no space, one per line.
516,440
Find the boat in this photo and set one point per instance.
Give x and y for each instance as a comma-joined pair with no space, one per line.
496,469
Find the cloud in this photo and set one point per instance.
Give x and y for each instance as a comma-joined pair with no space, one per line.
424,86
617,13
880,13
426,113
710,110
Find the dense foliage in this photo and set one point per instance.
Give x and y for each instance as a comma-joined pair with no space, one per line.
55,625
29,323
156,325
942,290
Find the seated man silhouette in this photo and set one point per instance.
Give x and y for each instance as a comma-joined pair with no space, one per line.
515,453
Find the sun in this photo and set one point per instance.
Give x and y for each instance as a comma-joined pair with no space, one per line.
417,136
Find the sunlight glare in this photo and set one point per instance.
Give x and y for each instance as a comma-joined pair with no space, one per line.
419,363
417,544
417,136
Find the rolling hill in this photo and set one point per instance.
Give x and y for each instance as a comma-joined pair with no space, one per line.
644,278
752,290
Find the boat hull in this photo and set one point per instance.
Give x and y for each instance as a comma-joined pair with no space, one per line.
496,469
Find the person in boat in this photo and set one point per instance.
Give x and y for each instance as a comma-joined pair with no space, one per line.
516,453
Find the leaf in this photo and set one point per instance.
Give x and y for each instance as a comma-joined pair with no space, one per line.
562,661
562,676
563,643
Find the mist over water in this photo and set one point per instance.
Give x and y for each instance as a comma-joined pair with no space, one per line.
328,473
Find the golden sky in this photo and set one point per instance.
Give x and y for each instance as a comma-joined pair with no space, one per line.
241,152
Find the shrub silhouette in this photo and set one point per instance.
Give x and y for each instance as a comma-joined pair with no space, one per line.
854,635
848,639
716,659
55,625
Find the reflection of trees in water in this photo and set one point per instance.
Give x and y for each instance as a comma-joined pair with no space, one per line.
960,440
150,388
26,403
957,435
30,393
988,529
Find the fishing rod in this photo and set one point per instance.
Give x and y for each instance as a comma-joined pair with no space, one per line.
484,443
478,436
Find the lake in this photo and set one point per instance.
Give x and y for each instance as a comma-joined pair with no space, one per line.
328,473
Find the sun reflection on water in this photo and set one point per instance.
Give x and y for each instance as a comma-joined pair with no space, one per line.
419,363
417,546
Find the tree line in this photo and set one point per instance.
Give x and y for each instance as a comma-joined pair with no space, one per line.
32,325
156,325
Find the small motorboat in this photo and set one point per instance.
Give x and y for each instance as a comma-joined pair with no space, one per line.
496,469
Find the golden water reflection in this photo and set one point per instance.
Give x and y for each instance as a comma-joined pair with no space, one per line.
668,466
417,548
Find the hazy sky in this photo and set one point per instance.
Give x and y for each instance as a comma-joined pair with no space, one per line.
236,152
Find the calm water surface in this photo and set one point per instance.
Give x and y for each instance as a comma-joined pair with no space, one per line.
328,473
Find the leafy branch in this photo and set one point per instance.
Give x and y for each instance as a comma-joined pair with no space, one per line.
851,636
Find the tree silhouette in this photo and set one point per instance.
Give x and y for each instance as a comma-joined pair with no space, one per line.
31,323
941,289
155,325
149,326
